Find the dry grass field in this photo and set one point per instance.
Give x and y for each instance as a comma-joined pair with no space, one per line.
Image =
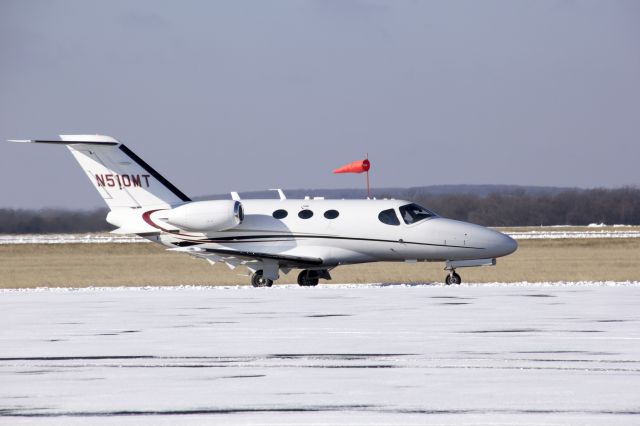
80,265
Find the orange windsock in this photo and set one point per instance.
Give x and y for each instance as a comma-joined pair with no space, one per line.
359,166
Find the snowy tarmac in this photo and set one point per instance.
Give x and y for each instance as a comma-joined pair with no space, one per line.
336,354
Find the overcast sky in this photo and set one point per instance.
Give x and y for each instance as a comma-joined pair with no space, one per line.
247,95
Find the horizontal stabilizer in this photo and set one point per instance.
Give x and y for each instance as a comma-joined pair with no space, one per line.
73,139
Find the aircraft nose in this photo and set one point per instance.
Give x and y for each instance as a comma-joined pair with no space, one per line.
502,244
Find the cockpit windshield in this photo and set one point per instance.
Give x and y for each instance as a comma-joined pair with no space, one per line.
412,213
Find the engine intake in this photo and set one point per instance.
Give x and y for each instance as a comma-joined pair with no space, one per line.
206,216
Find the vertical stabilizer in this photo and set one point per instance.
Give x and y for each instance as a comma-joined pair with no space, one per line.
121,177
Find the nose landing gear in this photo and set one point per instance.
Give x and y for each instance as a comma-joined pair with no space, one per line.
451,265
453,278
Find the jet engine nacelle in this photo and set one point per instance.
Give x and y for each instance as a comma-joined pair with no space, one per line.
204,216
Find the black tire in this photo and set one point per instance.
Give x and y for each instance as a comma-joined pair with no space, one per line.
258,280
306,279
453,279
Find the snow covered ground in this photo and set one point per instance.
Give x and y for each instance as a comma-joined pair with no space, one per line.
560,234
337,354
69,238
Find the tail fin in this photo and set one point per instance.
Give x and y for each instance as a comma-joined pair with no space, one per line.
121,177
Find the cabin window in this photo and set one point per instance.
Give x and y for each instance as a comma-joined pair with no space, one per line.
331,214
389,217
412,213
280,214
305,214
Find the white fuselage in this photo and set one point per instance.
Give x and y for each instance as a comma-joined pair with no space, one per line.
356,235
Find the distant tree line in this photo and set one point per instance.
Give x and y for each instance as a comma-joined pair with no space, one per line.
21,221
523,208
503,207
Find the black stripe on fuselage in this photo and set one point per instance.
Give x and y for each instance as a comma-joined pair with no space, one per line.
154,173
264,238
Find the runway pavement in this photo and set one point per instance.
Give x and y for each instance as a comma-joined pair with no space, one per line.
553,353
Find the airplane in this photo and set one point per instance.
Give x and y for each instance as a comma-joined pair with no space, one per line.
274,236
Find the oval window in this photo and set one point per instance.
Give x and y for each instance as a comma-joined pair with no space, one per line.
280,214
389,217
305,214
331,214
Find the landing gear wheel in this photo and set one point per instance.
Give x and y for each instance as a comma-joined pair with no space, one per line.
307,279
258,280
453,278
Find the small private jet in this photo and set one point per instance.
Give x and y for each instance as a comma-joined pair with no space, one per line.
274,236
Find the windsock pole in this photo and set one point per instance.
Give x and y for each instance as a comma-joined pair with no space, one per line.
368,187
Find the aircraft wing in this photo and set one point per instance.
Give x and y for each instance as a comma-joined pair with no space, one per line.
234,257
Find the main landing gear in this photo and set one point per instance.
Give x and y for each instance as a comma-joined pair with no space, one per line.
453,278
258,280
306,278
311,277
